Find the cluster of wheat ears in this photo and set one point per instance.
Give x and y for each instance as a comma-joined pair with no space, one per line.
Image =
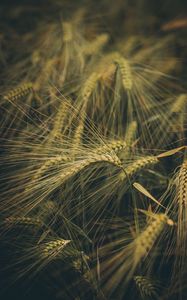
93,166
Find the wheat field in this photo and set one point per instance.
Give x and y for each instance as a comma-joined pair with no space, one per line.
93,155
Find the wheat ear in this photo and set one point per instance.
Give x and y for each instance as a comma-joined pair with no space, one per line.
96,45
137,166
125,70
181,199
67,32
86,91
113,145
23,221
49,164
179,103
145,286
79,133
145,241
58,123
89,86
76,168
123,263
54,248
19,92
131,133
